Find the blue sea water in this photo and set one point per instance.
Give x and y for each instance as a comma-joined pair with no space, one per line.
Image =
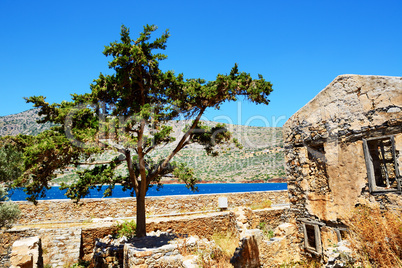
168,189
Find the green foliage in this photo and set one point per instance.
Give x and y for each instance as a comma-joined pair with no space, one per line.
128,112
185,174
126,228
9,211
268,232
11,167
81,264
11,160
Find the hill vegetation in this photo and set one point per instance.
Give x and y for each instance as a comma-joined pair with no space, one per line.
22,123
260,159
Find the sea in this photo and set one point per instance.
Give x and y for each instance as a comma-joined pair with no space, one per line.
165,190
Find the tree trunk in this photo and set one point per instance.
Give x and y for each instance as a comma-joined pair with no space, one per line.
141,230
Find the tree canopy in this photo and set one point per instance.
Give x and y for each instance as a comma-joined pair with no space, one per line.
11,162
11,167
128,112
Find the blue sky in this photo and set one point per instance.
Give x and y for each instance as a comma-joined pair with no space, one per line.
54,48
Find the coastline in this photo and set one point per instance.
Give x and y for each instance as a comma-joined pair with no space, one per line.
166,190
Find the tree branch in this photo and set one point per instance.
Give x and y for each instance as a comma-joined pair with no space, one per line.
149,149
119,147
179,146
99,163
131,172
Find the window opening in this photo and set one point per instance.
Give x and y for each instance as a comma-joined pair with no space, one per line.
310,231
312,237
316,154
381,162
341,234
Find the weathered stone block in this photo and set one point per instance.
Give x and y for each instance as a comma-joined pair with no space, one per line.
247,254
27,253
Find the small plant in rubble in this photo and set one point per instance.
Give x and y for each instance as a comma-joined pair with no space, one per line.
126,228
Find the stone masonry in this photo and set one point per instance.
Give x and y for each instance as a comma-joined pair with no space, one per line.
64,244
343,149
88,209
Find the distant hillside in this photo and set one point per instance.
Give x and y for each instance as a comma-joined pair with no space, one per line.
261,159
22,123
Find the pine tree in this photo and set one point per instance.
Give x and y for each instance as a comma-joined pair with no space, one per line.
128,112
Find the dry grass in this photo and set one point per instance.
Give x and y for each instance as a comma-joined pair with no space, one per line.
261,205
301,264
220,255
227,242
376,237
182,246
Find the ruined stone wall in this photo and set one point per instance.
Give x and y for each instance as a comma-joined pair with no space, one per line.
202,226
62,246
195,228
6,241
325,162
89,237
68,211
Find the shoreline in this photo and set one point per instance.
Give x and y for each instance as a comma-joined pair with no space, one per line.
168,190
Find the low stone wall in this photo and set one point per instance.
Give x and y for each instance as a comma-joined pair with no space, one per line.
272,217
6,241
86,209
165,252
164,256
89,237
202,225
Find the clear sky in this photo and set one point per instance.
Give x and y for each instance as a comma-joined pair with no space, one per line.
54,48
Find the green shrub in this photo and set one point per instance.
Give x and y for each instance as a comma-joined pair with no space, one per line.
268,232
126,228
9,211
81,264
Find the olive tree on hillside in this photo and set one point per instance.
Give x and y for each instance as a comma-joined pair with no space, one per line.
128,112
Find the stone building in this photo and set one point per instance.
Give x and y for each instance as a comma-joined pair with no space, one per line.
343,148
